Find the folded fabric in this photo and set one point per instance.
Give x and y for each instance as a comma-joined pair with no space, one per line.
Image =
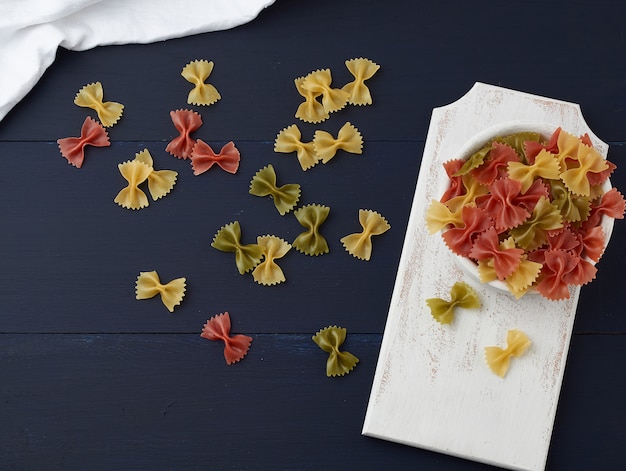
32,30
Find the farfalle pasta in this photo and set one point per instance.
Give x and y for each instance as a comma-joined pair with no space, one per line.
148,285
203,157
462,295
498,359
197,72
348,139
311,242
186,122
160,182
268,272
92,133
360,244
339,362
526,211
228,239
362,70
310,110
289,140
318,82
235,346
264,184
134,172
91,96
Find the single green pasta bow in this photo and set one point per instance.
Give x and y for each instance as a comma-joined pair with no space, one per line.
311,242
228,239
330,339
264,184
461,295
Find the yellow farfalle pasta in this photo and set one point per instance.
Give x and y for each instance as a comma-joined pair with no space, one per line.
311,110
439,216
197,72
289,140
461,295
545,166
228,239
532,233
362,70
311,242
330,339
588,160
149,285
268,272
91,96
348,139
160,182
264,184
567,145
360,244
319,82
135,172
498,359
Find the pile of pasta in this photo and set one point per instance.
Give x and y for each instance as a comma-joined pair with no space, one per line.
528,212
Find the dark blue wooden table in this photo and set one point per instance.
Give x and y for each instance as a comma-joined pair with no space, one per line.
92,379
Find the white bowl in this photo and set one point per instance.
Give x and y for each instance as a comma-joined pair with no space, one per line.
504,129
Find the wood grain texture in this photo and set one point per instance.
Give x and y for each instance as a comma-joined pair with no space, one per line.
93,379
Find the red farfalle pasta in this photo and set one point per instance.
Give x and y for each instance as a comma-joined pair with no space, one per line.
203,157
92,133
456,182
235,346
186,121
556,265
487,246
501,204
495,164
461,239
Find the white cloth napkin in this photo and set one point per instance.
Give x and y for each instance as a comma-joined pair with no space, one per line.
32,30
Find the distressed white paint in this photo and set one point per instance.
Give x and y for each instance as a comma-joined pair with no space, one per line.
432,388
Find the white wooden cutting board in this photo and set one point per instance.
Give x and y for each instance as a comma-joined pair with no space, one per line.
432,388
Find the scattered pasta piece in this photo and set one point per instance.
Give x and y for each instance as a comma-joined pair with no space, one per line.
268,272
311,110
186,122
288,140
360,244
498,359
91,96
197,72
461,295
348,139
134,172
318,82
235,346
160,182
362,70
228,239
148,286
203,157
264,184
92,133
330,339
311,242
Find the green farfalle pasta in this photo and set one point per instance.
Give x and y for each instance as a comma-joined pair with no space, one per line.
264,184
311,242
533,232
461,295
330,339
228,239
573,208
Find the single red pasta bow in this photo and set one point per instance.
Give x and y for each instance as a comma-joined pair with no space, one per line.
203,157
186,121
235,346
92,133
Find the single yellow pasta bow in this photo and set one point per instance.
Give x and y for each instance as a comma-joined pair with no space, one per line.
264,183
311,110
160,182
498,359
91,96
589,161
149,285
228,238
461,295
348,139
318,82
311,242
362,70
545,166
330,339
134,172
360,244
197,72
268,272
289,140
